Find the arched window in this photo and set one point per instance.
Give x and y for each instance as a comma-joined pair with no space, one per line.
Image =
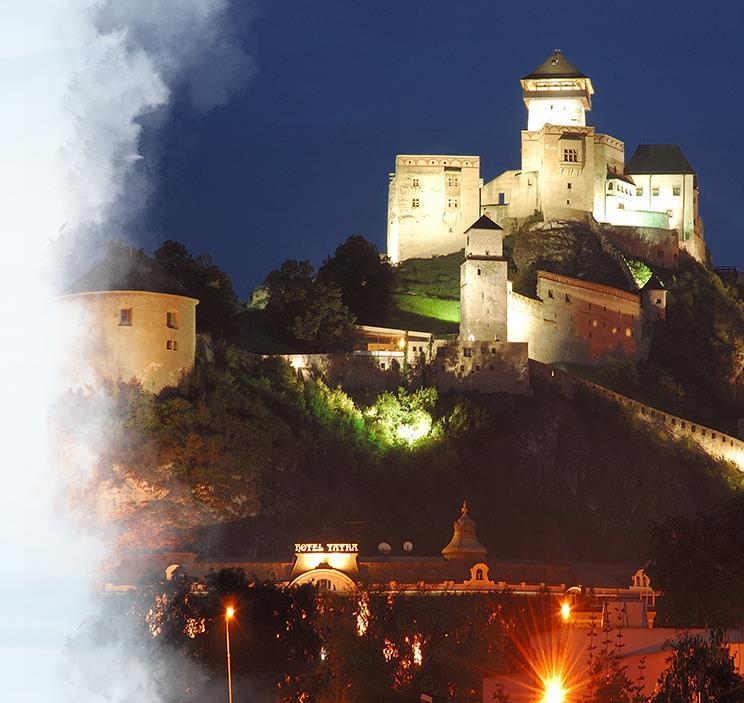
479,574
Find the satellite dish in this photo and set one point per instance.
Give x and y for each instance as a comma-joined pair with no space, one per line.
384,548
407,546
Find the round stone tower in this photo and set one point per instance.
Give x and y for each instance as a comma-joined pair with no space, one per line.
129,319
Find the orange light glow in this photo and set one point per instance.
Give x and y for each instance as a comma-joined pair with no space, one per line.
566,611
229,612
554,690
402,343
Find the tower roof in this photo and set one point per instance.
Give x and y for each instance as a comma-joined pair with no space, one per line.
555,66
483,222
127,268
658,158
464,542
653,283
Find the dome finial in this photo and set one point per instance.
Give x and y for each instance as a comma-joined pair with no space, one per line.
464,507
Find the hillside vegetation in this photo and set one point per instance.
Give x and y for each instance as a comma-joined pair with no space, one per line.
242,455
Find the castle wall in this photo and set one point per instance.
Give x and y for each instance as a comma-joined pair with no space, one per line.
576,322
378,371
512,195
714,442
432,200
609,157
484,366
673,193
655,245
147,350
564,158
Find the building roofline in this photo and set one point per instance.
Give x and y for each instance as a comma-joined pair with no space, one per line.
589,285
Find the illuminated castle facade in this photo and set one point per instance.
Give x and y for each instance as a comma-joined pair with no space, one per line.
569,171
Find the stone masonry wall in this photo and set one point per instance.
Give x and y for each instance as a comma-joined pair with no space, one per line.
715,443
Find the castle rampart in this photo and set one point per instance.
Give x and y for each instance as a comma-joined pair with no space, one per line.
717,444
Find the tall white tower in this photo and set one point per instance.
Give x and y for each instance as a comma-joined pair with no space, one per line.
557,93
483,284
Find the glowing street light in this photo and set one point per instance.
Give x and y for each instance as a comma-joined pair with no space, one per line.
554,691
229,614
566,611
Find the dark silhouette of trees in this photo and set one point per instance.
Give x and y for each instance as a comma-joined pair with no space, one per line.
700,669
219,307
364,277
698,563
305,310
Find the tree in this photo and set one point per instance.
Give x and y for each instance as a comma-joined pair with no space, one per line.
219,307
698,563
303,309
364,277
700,669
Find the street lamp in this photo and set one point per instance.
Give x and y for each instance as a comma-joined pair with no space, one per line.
554,692
566,611
229,613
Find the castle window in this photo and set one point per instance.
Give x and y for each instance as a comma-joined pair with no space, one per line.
676,190
479,271
610,185
457,203
568,298
658,301
594,323
568,202
493,350
169,344
477,367
628,332
639,191
655,191
571,155
415,182
484,349
415,202
125,317
479,574
467,351
171,320
449,202
614,330
502,198
550,293
568,186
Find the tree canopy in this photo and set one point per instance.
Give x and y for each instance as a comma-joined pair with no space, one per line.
219,307
364,277
305,309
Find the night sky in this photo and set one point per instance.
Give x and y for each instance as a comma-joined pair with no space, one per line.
300,159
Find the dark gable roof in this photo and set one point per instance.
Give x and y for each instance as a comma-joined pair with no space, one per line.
555,66
483,222
658,158
127,268
653,283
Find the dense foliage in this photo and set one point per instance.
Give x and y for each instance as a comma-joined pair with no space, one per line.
305,309
219,308
700,669
243,445
364,277
698,562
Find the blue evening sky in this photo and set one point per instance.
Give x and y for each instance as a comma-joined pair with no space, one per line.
300,159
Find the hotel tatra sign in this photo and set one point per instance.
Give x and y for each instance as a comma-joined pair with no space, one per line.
327,547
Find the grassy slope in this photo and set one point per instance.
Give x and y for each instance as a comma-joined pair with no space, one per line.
427,294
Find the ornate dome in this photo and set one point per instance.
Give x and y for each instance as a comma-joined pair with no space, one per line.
464,543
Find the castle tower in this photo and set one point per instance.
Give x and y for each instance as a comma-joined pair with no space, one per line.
556,93
483,284
128,318
654,299
464,543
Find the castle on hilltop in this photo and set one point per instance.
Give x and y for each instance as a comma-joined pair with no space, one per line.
568,172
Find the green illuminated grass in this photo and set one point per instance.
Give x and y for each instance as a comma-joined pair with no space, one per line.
417,312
